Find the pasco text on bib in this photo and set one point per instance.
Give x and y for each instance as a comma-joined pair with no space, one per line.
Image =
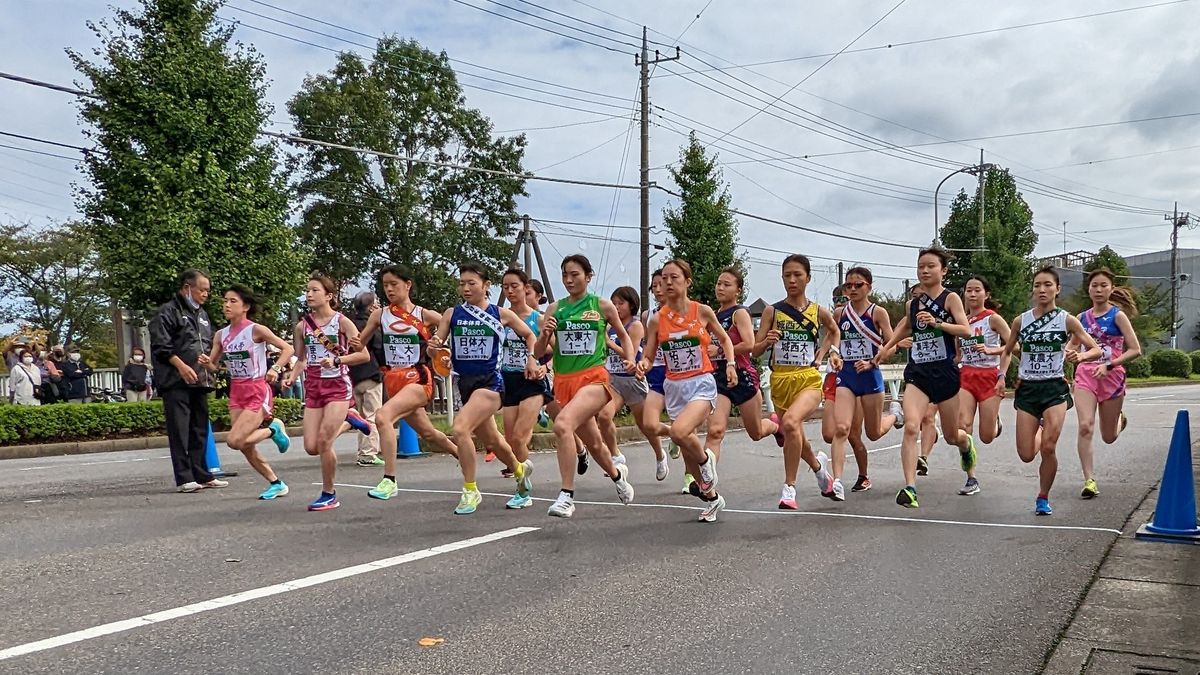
795,348
576,338
473,343
682,354
401,351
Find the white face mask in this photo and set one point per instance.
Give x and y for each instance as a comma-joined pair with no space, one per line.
27,360
138,358
75,356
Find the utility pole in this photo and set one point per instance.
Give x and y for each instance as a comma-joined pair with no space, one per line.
528,241
841,277
527,246
1064,244
1177,220
645,62
982,185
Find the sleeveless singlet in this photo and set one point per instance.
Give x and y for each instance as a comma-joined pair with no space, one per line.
315,351
515,352
614,360
981,334
245,358
684,342
797,346
931,345
475,342
578,343
1043,344
860,336
1105,331
725,317
403,344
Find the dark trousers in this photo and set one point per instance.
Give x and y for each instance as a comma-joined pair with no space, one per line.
186,410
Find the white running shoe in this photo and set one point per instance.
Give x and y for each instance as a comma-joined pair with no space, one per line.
563,507
839,491
709,514
898,411
824,478
624,489
708,472
620,459
787,498
190,486
216,483
662,469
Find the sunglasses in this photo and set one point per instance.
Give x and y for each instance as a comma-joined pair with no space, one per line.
855,284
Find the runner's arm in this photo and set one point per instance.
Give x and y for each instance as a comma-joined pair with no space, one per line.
745,326
1000,326
628,348
210,360
293,369
438,339
637,332
545,338
761,339
883,322
647,361
368,330
833,335
1133,347
264,334
714,326
962,324
1075,329
356,356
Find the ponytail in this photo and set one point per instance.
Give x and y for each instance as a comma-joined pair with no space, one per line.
1123,297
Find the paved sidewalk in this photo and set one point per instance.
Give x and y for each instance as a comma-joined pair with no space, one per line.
1142,613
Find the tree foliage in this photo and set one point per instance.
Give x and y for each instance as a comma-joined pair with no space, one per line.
1008,237
179,178
365,210
703,231
50,281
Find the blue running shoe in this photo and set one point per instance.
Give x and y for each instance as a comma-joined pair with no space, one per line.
326,502
279,435
519,502
1042,508
543,419
274,490
358,422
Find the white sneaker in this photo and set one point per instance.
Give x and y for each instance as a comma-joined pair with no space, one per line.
824,478
624,489
895,409
787,498
839,491
563,507
662,469
216,483
708,472
619,459
191,486
709,514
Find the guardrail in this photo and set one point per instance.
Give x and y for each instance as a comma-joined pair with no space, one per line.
101,378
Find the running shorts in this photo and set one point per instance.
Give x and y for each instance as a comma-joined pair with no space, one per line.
1036,396
469,384
631,389
679,393
517,388
253,395
567,385
1104,389
860,384
746,388
938,380
395,379
786,386
979,382
321,391
655,378
829,387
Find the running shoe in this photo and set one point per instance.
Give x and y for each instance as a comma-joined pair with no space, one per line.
216,483
862,484
839,491
279,435
787,499
274,490
971,488
370,460
581,462
506,472
824,478
662,469
708,472
1042,507
327,501
967,459
709,514
624,489
687,484
563,507
1090,489
672,450
898,411
517,501
358,422
525,482
543,419
190,486
468,502
907,497
385,490
779,439
617,459
922,466
1123,423
489,456
999,426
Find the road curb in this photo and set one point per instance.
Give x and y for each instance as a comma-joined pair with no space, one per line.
1152,384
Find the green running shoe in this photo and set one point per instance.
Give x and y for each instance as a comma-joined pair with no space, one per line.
673,450
967,459
907,498
468,502
385,490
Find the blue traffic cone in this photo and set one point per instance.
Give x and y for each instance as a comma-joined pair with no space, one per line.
408,445
1175,515
211,458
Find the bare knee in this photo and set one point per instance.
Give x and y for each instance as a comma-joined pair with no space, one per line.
460,429
679,434
792,425
385,418
565,427
841,430
912,428
1087,428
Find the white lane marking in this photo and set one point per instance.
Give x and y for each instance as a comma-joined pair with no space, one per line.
1151,398
254,594
107,461
860,516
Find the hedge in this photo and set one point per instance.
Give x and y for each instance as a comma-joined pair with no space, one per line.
1195,361
1171,363
1139,367
92,421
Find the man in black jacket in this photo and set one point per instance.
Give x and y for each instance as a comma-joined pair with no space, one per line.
368,381
75,372
179,333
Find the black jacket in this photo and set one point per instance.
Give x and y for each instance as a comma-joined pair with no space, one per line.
370,369
133,377
75,374
179,330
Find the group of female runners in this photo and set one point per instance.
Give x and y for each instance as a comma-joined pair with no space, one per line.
585,358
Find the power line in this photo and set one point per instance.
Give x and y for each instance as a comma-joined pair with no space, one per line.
548,30
38,152
1116,159
561,126
43,140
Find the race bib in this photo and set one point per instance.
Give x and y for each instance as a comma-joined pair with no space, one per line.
968,348
794,348
683,355
615,363
577,342
238,364
929,347
514,355
473,343
401,351
856,348
1041,360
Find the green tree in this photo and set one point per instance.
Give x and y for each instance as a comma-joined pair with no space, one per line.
50,281
179,178
703,231
1008,237
364,210
1105,257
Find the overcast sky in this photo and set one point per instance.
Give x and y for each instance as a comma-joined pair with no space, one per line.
1088,71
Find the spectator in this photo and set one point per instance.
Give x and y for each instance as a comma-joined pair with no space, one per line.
368,380
11,358
25,380
75,372
179,333
51,378
135,376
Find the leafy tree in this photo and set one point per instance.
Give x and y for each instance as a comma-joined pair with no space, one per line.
365,210
1008,237
1105,257
179,178
50,281
703,231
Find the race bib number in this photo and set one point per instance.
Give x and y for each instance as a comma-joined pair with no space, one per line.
1041,361
856,349
514,355
795,348
238,364
968,347
929,347
401,351
577,342
474,347
683,355
615,363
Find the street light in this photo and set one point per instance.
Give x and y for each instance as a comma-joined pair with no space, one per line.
975,170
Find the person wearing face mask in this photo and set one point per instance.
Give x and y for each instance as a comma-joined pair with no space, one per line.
24,379
135,377
179,333
75,373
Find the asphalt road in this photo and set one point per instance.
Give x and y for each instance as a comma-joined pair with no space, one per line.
963,584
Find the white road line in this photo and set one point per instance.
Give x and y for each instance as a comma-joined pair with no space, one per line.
1151,398
254,594
859,516
65,465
